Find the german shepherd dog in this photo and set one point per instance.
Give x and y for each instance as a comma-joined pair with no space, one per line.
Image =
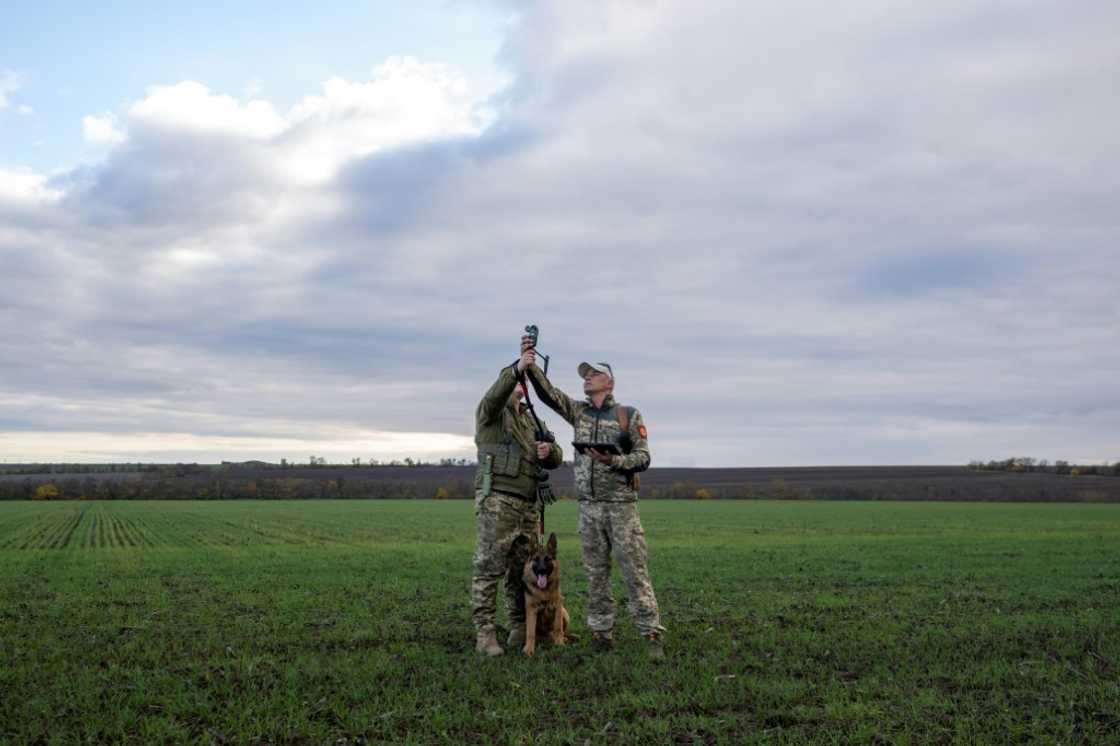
544,606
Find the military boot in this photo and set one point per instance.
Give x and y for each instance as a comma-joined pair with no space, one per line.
487,642
655,648
602,641
516,636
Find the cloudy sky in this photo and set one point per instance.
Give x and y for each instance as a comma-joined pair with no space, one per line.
802,233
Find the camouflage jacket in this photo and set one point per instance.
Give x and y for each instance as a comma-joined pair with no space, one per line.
598,482
505,437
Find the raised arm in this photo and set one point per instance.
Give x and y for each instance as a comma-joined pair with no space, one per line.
553,398
490,408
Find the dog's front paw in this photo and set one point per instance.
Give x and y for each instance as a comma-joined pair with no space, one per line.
527,650
558,639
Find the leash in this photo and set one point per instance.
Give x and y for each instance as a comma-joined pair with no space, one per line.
544,490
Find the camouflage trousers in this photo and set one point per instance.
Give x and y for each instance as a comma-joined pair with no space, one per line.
607,527
499,521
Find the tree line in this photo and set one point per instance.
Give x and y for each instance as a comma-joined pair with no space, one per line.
458,483
1026,465
180,469
220,487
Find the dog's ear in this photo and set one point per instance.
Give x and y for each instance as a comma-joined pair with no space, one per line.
552,546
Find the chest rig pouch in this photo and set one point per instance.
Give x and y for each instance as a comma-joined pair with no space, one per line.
503,459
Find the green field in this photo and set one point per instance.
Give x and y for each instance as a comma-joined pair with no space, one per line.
348,622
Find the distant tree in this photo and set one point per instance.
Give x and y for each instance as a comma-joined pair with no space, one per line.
356,461
1061,467
374,462
442,493
703,494
681,490
46,492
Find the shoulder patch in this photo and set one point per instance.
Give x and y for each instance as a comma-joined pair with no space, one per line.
642,431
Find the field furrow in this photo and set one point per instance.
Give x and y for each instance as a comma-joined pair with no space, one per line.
140,531
19,532
57,529
126,535
128,531
103,530
114,536
90,531
72,526
149,535
129,534
16,522
34,538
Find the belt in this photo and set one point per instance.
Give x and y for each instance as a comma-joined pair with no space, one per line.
523,498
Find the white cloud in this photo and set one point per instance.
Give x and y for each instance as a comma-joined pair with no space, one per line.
190,106
405,101
26,186
25,110
102,130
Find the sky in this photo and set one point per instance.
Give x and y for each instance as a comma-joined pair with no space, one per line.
876,233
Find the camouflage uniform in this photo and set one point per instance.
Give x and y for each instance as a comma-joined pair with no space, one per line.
505,435
608,509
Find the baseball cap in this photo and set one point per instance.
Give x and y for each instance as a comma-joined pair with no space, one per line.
600,366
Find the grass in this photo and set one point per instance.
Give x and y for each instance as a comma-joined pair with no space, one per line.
348,622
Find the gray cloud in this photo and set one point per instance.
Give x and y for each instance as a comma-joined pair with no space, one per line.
882,235
165,181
